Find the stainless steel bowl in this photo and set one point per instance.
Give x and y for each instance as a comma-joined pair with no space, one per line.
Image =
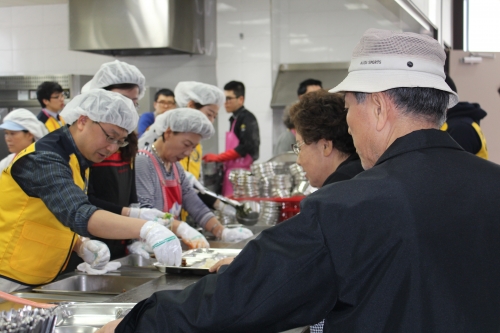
249,215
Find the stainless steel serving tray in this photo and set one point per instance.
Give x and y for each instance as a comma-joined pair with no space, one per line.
89,314
196,258
94,284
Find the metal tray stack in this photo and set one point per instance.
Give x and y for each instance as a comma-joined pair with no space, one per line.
88,317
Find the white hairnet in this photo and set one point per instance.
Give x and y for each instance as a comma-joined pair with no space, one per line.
27,120
198,92
183,120
117,72
102,106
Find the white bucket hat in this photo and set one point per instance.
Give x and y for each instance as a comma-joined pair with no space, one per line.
385,60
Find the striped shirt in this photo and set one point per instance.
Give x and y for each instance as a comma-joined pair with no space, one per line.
46,175
149,191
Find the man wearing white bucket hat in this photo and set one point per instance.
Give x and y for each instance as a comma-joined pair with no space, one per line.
45,209
386,251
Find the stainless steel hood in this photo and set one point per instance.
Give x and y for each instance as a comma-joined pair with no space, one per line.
137,27
290,76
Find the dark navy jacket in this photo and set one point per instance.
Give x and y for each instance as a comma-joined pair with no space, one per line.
410,245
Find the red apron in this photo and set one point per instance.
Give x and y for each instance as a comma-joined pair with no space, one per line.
171,189
232,142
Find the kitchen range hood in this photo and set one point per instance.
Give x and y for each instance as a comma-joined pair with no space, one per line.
290,76
137,27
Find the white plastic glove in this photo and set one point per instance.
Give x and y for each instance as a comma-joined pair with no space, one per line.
233,235
225,209
165,244
94,252
194,182
141,249
110,266
148,214
191,237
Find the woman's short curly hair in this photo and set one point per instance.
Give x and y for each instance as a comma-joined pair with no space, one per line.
321,115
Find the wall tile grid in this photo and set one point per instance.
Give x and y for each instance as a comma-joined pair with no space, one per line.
244,54
34,40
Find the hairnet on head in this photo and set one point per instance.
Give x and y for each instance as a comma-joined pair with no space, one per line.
117,72
198,92
102,106
25,120
183,120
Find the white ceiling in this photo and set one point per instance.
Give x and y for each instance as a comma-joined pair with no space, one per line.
14,3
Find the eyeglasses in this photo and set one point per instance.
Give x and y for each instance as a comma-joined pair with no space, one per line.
109,139
60,96
228,98
296,147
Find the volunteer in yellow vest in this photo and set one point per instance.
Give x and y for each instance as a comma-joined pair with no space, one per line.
209,100
51,98
462,124
44,205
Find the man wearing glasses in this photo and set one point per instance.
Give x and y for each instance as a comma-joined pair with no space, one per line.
243,139
51,98
45,209
164,101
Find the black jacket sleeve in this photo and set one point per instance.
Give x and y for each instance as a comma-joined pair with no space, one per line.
247,131
281,280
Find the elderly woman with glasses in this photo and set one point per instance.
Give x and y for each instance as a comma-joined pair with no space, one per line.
324,147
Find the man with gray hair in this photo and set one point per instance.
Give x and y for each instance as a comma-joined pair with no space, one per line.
408,245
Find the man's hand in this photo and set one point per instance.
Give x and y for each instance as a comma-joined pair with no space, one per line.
109,327
165,244
220,263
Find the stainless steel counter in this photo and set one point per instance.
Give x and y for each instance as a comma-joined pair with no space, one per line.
179,282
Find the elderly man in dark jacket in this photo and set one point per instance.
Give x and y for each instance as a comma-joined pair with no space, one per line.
409,245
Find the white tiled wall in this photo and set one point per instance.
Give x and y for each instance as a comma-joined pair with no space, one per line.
321,30
244,54
34,40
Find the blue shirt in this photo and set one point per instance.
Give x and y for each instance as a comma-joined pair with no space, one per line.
145,120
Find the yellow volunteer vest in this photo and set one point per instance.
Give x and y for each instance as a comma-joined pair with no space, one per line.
483,152
52,124
193,165
34,246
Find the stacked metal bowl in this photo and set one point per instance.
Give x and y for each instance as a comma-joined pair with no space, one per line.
244,184
282,185
300,182
269,212
297,173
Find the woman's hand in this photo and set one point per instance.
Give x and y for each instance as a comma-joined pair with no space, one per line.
109,327
218,264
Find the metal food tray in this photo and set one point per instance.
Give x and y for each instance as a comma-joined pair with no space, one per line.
90,314
196,257
94,284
